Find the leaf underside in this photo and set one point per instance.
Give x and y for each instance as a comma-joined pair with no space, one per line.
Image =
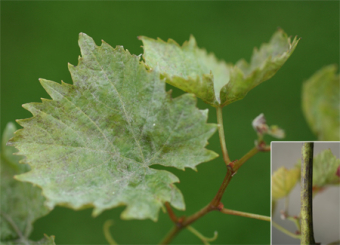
325,166
193,70
21,203
94,143
321,103
283,181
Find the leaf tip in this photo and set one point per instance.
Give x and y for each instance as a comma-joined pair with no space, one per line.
70,66
96,211
19,177
83,35
26,106
43,81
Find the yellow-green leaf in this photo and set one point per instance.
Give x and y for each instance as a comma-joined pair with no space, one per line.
21,203
214,81
283,181
325,167
321,103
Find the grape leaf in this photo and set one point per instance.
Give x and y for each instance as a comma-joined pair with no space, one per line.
321,103
94,143
21,203
283,181
325,167
193,70
45,241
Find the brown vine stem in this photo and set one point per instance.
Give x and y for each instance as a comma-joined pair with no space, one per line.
221,135
245,158
307,234
171,212
213,205
244,214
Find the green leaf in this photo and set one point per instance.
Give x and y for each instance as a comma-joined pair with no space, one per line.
94,143
325,166
193,70
321,103
21,203
45,241
283,181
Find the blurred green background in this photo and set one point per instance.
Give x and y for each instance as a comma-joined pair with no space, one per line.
39,38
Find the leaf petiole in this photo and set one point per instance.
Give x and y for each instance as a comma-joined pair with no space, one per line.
244,214
280,228
171,213
245,158
221,134
296,221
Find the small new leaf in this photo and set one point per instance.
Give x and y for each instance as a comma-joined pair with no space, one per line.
321,103
325,168
283,181
21,203
94,143
193,70
261,128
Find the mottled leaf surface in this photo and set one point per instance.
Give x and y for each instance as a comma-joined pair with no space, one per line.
325,167
193,70
21,203
47,240
283,181
321,103
94,143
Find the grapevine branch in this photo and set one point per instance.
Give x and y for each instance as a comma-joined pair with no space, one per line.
245,158
215,204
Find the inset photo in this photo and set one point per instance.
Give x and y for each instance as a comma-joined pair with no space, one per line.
305,192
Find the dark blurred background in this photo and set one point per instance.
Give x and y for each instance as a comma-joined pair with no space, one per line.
39,38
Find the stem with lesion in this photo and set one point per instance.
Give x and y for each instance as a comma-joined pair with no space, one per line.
307,234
